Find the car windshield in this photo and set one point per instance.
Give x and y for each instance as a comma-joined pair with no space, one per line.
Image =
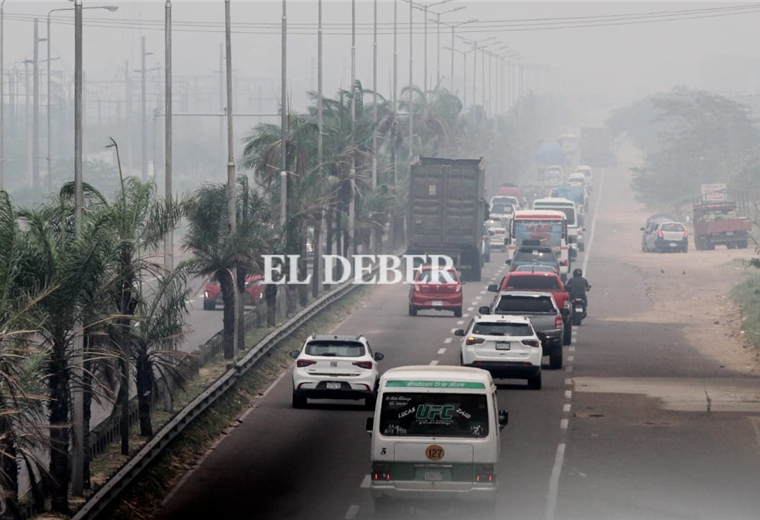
502,329
535,269
335,348
533,282
434,415
524,304
535,255
437,276
495,223
672,227
502,209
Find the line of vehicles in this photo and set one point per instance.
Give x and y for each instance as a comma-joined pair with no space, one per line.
435,430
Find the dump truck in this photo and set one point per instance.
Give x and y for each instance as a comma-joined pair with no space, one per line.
447,208
721,217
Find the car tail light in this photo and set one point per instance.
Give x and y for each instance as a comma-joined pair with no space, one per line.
660,234
207,295
301,363
685,233
563,262
558,322
531,343
367,365
381,471
484,473
472,340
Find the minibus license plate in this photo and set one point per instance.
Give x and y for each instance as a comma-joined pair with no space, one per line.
333,386
673,244
433,476
437,303
503,346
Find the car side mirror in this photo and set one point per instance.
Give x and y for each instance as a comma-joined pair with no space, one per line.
459,332
295,353
484,310
503,419
642,229
493,288
564,312
378,356
507,261
370,424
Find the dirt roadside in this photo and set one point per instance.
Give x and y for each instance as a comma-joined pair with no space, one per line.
691,289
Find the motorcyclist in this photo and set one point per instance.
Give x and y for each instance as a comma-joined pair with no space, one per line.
577,287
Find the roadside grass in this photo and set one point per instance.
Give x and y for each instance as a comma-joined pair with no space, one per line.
144,496
747,294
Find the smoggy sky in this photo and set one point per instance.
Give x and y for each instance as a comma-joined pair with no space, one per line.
621,61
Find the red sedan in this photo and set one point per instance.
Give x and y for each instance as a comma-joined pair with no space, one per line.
436,289
254,291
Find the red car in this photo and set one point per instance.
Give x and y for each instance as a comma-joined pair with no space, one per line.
543,282
254,291
436,289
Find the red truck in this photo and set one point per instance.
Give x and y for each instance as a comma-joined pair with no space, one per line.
539,282
721,218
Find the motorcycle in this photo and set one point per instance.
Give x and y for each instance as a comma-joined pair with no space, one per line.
578,313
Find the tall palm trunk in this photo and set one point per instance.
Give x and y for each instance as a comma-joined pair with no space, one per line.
123,325
241,274
8,466
87,416
316,271
329,225
303,290
58,415
228,320
145,384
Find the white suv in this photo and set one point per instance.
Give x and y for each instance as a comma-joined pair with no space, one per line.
335,367
506,346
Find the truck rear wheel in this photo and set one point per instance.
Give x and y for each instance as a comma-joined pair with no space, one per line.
475,269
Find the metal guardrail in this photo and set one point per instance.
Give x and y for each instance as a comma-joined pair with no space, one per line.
134,466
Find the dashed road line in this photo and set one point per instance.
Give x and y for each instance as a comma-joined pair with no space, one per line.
441,351
554,481
568,381
572,349
482,292
434,362
569,369
465,315
352,512
470,309
568,394
565,408
570,358
563,424
460,322
447,340
366,482
478,297
453,330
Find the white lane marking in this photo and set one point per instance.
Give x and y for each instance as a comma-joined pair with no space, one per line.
554,482
568,394
565,409
465,315
593,226
453,330
570,358
460,322
447,340
486,287
568,381
474,303
441,351
434,362
569,369
478,297
572,349
563,424
352,512
366,482
470,309
482,292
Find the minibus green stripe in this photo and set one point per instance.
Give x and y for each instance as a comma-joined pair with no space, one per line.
434,384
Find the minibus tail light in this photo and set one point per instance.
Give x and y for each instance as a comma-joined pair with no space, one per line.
381,471
484,473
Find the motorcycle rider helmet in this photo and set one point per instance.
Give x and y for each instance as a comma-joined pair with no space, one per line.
578,272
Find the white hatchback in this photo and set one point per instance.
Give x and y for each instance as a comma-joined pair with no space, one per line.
335,367
506,346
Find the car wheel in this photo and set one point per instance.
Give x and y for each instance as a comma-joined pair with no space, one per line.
412,310
458,312
581,247
209,305
461,360
534,383
299,401
555,361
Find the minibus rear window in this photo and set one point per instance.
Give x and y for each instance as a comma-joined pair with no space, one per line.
434,415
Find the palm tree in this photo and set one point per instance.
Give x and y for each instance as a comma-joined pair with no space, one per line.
72,267
160,318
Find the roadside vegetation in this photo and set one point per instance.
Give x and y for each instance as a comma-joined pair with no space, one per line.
97,308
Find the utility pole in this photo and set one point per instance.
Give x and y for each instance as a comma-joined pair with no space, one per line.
464,71
221,96
352,174
374,98
395,83
36,107
411,80
317,270
169,238
77,471
28,125
2,95
47,112
128,93
231,178
283,123
144,111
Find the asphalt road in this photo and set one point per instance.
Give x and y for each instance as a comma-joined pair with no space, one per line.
622,432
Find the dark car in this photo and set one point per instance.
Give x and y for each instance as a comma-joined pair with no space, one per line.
534,255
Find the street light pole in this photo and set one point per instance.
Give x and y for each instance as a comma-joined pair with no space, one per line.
36,107
374,98
284,122
411,80
2,95
352,173
144,110
169,238
438,23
